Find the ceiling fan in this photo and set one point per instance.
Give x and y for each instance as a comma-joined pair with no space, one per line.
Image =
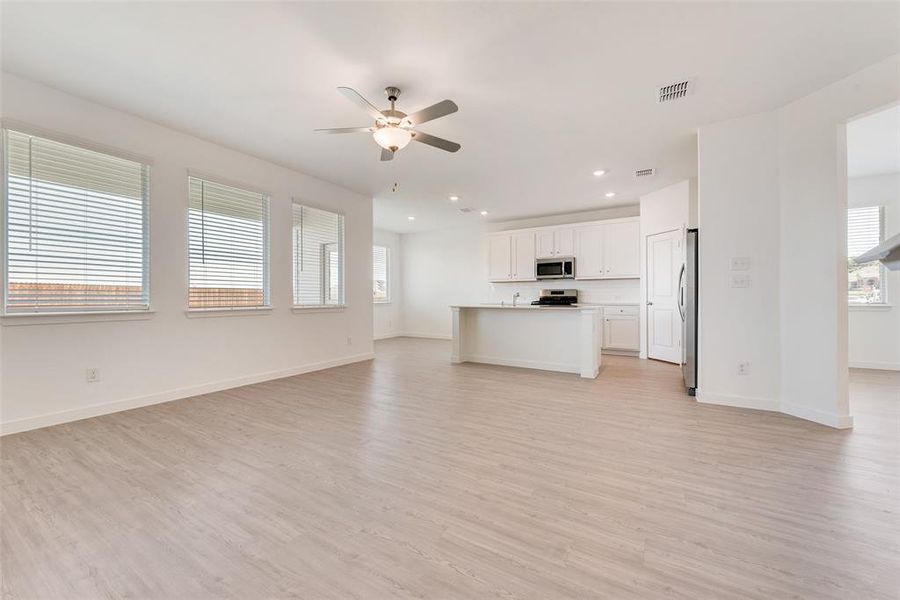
393,129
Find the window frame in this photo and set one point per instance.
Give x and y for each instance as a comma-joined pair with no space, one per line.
387,274
324,278
267,248
76,314
884,301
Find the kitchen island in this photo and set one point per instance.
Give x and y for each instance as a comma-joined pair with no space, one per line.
553,338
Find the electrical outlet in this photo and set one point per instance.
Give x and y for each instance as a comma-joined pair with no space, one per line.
92,375
349,340
743,368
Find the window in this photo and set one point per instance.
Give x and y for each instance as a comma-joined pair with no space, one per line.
865,282
318,240
381,290
76,229
228,231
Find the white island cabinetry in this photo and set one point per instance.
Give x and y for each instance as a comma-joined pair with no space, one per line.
553,338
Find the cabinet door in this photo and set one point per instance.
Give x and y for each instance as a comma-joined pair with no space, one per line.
523,257
621,332
565,241
500,258
622,249
589,253
545,247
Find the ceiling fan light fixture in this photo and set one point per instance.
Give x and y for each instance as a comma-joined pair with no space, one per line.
392,138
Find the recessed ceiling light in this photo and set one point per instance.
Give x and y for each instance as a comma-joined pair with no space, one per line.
610,194
599,173
411,218
454,198
484,213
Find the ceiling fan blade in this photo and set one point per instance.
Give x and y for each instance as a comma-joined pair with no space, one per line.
442,108
435,141
345,130
386,155
356,98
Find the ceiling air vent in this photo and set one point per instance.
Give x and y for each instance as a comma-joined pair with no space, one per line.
674,91
465,209
644,172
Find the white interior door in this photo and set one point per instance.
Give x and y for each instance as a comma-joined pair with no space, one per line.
664,262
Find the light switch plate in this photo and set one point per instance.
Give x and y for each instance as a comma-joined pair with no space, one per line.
740,263
740,280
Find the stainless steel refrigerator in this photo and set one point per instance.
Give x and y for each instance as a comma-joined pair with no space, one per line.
687,306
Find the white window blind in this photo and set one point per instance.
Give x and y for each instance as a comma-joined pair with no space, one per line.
381,291
228,246
76,228
318,240
865,282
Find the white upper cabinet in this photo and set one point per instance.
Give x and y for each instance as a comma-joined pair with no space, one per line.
499,258
608,250
555,241
589,253
602,250
565,241
511,256
523,257
622,249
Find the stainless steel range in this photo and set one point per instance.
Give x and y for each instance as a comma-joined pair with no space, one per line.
557,298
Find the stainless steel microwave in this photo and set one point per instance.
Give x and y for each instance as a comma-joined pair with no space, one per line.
562,267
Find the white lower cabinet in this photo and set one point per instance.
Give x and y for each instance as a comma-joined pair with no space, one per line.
621,328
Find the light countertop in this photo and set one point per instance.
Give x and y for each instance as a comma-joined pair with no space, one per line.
529,306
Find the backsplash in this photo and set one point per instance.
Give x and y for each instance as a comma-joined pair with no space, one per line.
589,291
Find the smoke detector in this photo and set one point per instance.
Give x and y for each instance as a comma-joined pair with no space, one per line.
644,172
674,91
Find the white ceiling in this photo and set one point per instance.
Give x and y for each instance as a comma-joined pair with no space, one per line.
547,92
873,144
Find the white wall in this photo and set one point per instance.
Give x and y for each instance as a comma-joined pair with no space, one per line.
388,317
874,332
167,354
773,187
449,266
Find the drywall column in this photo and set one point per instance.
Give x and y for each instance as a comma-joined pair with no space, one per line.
738,218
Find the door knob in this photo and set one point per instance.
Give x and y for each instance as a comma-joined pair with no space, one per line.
649,304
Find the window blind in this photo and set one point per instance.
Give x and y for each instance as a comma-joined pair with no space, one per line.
228,231
76,228
318,240
380,287
865,280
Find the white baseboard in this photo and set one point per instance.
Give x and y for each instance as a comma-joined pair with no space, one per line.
802,412
387,336
429,336
737,401
95,410
881,366
818,416
523,364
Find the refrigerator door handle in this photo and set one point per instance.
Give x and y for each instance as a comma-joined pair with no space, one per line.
681,292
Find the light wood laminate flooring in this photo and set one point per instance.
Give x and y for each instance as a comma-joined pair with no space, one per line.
409,477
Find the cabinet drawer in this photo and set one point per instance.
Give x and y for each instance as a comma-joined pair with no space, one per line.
620,310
